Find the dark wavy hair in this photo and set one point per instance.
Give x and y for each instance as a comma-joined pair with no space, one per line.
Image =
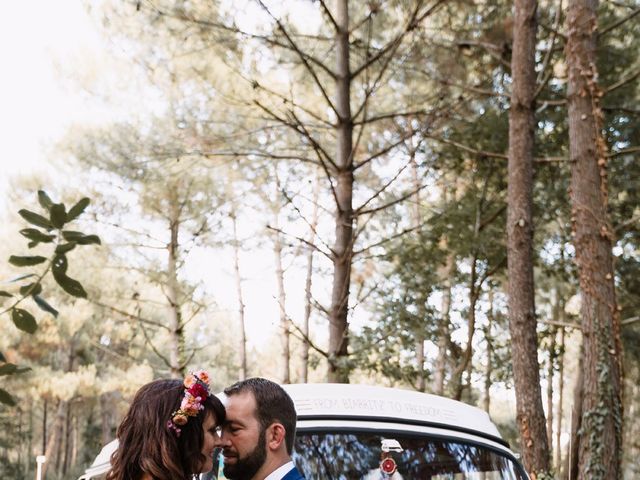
147,445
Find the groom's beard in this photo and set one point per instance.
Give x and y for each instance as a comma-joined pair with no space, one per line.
245,468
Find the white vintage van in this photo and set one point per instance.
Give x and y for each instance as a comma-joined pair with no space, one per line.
357,432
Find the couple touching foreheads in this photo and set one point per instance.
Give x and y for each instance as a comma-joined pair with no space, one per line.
172,429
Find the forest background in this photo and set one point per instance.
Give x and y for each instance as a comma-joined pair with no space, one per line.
317,191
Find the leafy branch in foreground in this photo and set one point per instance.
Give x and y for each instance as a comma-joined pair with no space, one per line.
51,229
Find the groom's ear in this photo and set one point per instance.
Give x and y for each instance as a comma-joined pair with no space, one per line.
275,436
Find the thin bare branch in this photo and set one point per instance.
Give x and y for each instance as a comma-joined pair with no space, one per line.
394,202
327,12
469,149
387,239
303,240
303,58
304,219
164,359
624,151
128,315
633,220
543,78
385,150
630,78
561,324
391,115
302,336
616,24
413,22
379,192
263,38
287,100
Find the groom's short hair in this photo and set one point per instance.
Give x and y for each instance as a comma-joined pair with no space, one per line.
273,404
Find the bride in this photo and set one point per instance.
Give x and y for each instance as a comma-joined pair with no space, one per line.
169,432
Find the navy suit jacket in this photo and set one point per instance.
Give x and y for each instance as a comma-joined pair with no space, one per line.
293,474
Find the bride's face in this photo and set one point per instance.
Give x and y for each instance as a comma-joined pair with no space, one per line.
211,439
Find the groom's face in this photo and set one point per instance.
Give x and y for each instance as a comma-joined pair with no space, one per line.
243,441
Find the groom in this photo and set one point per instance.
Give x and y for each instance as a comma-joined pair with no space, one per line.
257,436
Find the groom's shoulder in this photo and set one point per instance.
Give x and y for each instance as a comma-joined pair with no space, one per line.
293,474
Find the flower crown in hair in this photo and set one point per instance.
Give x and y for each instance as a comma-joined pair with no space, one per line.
196,391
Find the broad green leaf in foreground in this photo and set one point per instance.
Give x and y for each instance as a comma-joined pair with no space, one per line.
6,398
24,320
19,261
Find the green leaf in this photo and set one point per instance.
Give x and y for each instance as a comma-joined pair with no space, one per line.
31,289
44,305
8,369
72,235
88,240
58,215
5,294
12,369
80,238
65,247
35,219
26,261
6,398
24,320
44,200
22,277
69,285
36,235
77,209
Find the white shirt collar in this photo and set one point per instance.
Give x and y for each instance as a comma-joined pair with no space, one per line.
280,472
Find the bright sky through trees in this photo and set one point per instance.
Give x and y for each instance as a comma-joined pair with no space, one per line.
47,48
37,39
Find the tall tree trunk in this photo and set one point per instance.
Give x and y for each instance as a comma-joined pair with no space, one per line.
343,247
446,274
417,221
307,284
474,294
73,458
241,316
68,439
52,448
106,417
576,422
285,327
444,338
489,368
176,327
522,319
465,363
550,375
600,441
45,411
560,409
30,449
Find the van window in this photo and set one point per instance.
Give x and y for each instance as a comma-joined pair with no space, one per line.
359,456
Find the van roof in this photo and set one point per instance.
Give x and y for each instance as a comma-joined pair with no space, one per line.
316,401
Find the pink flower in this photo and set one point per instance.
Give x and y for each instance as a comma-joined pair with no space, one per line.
187,401
189,381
